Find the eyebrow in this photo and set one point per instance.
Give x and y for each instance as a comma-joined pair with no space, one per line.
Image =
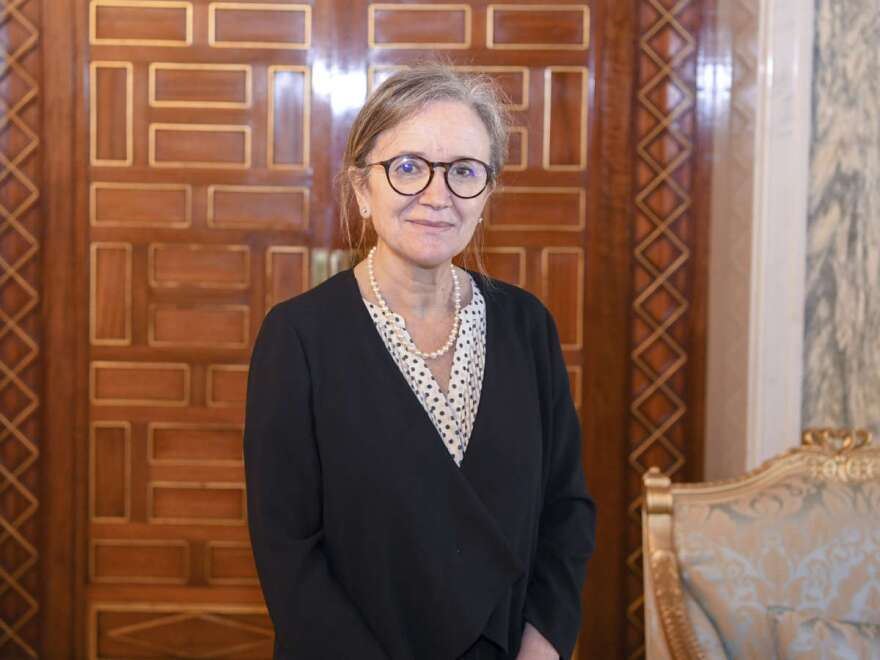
425,156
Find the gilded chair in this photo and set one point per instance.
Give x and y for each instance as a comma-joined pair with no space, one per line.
782,562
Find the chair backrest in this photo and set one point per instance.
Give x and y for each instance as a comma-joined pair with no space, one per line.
802,531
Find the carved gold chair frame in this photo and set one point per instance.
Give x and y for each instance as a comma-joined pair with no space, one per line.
842,455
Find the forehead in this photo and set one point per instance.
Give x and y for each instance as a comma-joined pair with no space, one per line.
440,130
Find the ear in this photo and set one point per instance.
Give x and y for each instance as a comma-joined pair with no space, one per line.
359,185
491,187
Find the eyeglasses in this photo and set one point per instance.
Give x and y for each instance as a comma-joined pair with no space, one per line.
410,175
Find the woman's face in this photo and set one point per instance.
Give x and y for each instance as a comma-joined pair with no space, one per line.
430,228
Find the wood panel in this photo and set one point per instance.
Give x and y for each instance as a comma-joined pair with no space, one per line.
212,132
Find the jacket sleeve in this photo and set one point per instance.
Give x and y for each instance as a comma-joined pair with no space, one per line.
566,533
313,616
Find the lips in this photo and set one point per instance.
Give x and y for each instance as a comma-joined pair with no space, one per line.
431,224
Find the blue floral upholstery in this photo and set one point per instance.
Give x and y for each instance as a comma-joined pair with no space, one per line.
803,637
802,543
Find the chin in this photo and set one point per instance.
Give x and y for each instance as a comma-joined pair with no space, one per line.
431,255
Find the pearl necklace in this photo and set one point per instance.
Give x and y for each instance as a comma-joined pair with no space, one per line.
387,312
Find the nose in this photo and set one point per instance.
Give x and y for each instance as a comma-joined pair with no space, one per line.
437,195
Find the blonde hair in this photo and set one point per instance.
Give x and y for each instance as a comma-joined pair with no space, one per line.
399,98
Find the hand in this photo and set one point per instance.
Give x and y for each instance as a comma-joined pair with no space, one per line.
535,646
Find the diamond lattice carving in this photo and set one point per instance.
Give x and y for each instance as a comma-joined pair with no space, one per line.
19,350
662,256
136,631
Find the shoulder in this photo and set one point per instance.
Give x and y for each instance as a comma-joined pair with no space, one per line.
316,308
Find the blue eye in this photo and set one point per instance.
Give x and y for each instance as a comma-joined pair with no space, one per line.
406,166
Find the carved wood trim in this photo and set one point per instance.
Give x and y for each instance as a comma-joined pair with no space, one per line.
667,332
20,330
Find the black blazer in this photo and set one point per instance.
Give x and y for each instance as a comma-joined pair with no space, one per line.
370,542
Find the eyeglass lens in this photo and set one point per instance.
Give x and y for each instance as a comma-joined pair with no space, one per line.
409,175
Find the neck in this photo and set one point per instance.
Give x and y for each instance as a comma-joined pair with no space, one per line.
412,290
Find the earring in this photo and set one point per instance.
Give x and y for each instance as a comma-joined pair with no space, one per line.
481,219
364,212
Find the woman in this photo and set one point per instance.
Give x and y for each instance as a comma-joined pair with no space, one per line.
415,488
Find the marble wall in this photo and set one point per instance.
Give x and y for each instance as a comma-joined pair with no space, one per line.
842,333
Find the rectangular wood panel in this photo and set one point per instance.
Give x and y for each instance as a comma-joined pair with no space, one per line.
110,303
217,326
545,26
139,561
537,208
114,204
562,286
139,383
110,471
273,25
215,146
188,85
196,503
111,114
198,266
175,443
565,118
166,23
258,207
416,26
289,121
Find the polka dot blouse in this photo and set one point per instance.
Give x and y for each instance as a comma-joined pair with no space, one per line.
452,412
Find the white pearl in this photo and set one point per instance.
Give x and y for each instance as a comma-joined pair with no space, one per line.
387,311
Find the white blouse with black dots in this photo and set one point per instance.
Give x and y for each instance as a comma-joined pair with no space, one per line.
454,411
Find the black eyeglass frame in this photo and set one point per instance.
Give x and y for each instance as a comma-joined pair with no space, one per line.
386,165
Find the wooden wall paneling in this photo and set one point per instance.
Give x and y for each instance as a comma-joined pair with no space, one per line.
21,350
202,189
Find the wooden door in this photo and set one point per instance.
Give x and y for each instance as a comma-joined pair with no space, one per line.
205,138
